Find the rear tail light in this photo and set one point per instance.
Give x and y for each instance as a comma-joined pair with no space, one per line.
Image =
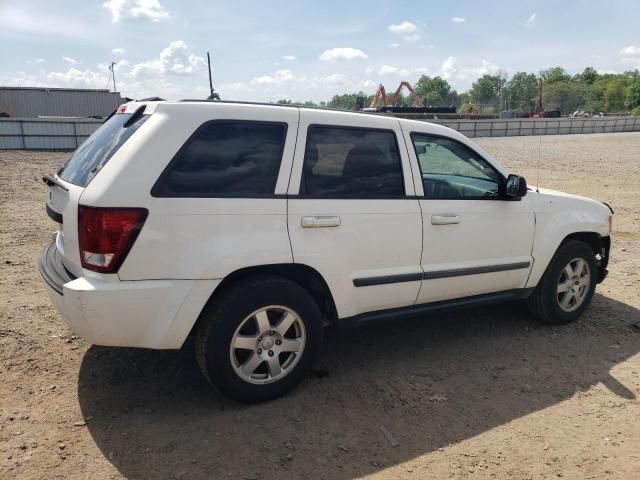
106,235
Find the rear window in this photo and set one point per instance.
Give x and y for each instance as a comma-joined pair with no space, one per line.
96,151
226,159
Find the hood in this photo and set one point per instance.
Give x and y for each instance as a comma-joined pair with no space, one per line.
549,197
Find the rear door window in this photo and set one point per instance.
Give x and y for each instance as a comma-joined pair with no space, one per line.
226,159
95,152
351,162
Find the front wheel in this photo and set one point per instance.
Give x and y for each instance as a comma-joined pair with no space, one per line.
567,286
259,338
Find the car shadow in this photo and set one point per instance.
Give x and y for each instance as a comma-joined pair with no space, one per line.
431,382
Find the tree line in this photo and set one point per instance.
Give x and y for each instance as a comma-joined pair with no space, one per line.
588,91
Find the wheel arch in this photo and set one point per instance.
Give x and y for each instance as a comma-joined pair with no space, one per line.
593,239
599,244
305,276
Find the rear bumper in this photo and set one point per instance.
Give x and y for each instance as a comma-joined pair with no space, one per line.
150,313
52,270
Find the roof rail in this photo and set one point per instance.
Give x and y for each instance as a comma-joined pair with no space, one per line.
289,105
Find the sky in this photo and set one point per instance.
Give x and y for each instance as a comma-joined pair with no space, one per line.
305,50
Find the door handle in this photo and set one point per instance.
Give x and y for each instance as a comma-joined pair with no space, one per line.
320,221
445,219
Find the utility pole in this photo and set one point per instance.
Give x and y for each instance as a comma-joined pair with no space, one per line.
113,74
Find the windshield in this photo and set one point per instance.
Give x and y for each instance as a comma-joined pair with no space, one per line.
96,151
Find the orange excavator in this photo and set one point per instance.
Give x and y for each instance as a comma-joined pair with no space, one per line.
382,94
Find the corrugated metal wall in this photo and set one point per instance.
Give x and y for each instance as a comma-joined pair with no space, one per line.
45,134
35,102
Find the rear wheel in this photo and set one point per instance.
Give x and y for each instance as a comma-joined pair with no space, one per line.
567,286
259,338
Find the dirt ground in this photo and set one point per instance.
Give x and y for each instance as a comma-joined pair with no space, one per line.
487,393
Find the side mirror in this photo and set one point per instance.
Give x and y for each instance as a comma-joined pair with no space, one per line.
515,186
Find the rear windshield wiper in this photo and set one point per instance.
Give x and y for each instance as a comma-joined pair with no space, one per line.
49,180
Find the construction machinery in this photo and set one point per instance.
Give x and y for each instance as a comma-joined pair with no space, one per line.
538,111
392,106
382,94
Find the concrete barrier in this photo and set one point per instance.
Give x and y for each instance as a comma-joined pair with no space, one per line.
68,134
501,127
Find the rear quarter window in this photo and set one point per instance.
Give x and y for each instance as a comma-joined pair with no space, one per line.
227,158
97,150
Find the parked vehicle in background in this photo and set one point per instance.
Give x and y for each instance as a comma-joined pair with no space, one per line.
253,226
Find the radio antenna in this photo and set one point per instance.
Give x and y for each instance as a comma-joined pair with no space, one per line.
213,95
539,157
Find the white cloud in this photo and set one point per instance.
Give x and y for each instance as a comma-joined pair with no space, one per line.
151,77
342,53
124,10
403,28
532,19
631,56
630,51
289,58
36,61
280,76
390,70
118,51
369,70
77,78
458,19
21,79
71,61
451,69
412,38
287,84
175,59
394,45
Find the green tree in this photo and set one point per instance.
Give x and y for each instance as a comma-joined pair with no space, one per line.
564,95
462,101
632,95
589,75
555,74
487,92
433,91
521,91
614,94
346,101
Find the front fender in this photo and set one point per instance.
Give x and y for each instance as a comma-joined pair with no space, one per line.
556,219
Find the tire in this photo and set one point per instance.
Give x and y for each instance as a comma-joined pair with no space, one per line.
248,371
547,303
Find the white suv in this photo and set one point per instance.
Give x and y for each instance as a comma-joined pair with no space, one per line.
253,226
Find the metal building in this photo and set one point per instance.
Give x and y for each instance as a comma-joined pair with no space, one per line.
31,102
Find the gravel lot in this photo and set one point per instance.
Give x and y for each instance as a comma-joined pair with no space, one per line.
487,393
